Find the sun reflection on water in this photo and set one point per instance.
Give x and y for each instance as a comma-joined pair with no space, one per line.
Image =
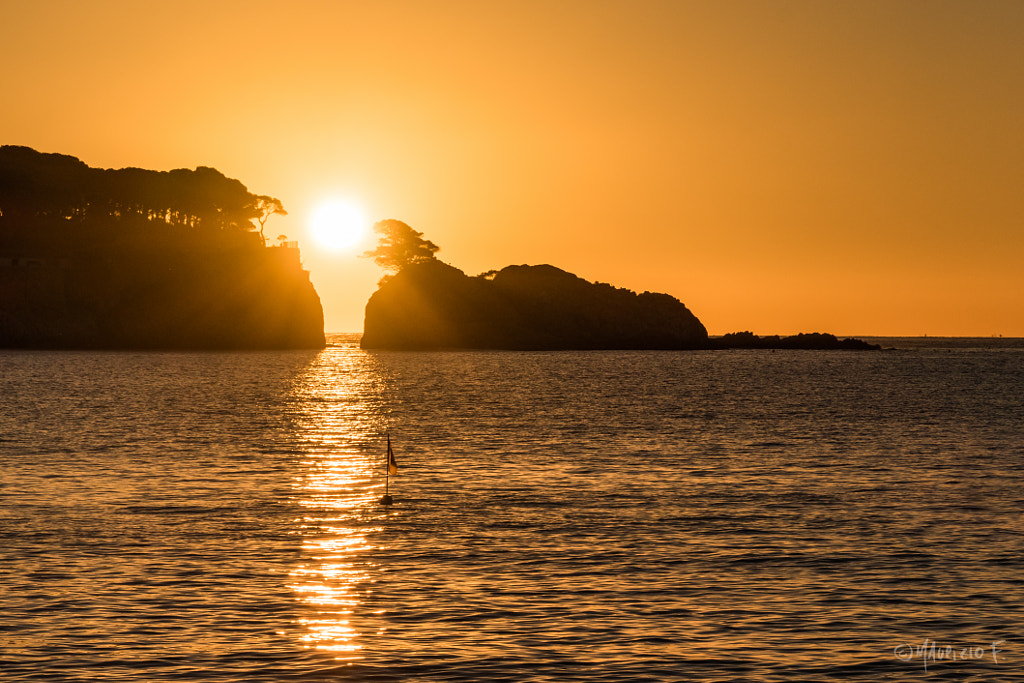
338,488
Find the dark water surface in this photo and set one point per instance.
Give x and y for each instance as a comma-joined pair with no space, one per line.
598,516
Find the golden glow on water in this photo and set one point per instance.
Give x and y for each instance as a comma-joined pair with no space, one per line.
332,577
337,486
610,516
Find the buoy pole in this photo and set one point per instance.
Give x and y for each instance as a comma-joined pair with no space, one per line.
386,500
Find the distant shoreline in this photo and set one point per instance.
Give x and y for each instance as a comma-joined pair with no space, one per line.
947,342
886,342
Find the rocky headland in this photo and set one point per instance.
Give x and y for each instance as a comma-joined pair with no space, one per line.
432,305
427,304
136,259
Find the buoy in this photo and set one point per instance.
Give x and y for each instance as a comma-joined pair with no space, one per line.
386,500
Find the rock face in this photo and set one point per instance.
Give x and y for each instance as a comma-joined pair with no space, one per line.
254,299
134,259
431,305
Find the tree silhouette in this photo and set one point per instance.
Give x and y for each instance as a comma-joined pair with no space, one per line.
61,196
399,246
267,207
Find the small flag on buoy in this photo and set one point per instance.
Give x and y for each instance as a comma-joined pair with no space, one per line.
390,468
392,465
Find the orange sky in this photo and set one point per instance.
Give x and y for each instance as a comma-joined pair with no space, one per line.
853,167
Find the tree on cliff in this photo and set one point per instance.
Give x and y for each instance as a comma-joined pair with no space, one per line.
267,207
399,246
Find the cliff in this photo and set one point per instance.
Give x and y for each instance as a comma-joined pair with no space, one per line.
431,305
102,259
252,299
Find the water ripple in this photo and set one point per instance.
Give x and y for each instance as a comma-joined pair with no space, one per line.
593,517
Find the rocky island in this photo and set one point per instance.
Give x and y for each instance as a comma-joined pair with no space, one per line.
137,259
814,341
427,304
432,305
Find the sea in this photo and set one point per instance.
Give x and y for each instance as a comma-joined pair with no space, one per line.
710,516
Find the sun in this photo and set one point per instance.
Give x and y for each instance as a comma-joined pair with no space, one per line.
337,223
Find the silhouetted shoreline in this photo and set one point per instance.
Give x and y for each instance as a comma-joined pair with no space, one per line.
136,259
431,305
813,341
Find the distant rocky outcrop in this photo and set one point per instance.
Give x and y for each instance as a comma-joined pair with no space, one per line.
808,341
432,305
134,259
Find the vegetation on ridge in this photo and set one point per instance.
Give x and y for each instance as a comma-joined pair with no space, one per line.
56,203
400,246
131,258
